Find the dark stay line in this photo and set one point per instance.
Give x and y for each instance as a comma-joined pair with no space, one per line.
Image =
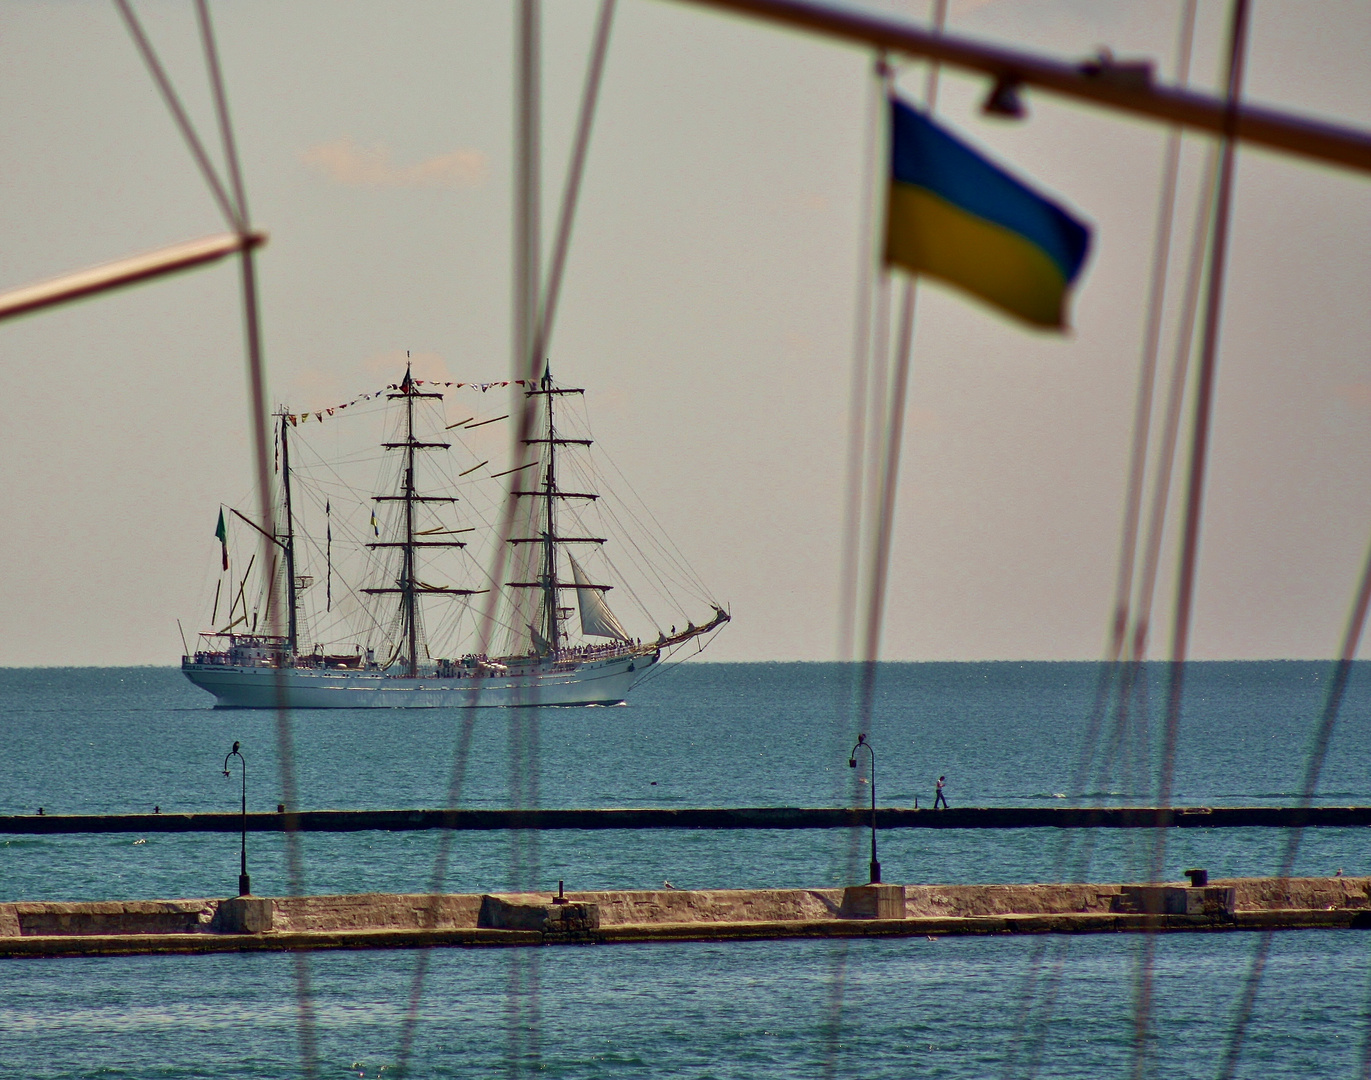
763,817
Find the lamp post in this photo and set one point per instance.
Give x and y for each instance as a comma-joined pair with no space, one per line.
244,885
852,762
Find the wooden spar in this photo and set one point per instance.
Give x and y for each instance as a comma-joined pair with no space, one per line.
561,494
473,468
230,626
274,539
130,271
519,468
559,539
214,617
417,543
420,587
1098,81
242,588
483,423
560,585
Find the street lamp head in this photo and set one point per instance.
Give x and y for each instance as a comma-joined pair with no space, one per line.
851,763
226,775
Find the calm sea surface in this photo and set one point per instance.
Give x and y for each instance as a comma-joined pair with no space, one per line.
122,741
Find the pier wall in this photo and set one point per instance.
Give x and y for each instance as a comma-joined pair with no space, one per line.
385,920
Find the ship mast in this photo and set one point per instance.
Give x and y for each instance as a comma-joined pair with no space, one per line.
407,571
292,633
407,585
549,576
547,538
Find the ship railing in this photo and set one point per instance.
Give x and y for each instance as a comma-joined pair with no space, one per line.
599,652
207,659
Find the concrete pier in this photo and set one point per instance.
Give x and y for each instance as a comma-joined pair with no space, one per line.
757,817
382,920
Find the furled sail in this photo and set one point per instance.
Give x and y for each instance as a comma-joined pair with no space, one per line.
596,618
540,644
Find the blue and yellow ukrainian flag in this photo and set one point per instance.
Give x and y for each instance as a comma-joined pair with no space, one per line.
956,217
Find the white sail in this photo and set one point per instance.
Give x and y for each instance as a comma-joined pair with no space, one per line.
596,618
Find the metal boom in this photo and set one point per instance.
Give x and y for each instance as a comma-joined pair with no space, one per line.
1098,81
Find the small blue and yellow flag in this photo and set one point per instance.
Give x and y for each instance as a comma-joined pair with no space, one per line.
953,215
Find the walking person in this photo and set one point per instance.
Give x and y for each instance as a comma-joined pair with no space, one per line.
940,797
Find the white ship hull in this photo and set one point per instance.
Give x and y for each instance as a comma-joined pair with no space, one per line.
592,682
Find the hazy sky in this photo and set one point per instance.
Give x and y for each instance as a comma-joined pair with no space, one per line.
708,308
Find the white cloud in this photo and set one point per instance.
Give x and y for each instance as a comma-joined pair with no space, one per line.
345,162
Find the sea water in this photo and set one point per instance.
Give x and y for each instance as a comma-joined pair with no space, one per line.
124,741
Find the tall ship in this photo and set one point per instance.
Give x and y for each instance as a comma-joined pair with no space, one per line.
399,640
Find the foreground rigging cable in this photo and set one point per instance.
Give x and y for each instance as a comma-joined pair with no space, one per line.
1117,678
878,481
1237,47
533,321
235,209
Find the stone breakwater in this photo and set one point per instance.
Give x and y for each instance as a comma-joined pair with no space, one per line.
385,920
738,817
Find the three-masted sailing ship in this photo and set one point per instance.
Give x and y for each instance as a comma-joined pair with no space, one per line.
551,660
